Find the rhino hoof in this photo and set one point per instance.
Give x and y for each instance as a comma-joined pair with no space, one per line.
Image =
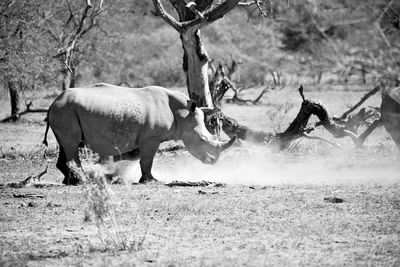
145,180
72,180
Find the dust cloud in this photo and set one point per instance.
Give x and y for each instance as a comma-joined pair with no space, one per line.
256,166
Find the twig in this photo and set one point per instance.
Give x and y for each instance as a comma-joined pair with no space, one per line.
237,99
28,195
320,138
202,183
301,92
27,110
24,182
362,100
259,5
369,130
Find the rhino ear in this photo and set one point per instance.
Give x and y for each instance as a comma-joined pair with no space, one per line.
191,105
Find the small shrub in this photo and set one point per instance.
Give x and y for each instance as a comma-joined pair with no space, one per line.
101,209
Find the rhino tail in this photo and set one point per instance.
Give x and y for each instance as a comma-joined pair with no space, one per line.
47,129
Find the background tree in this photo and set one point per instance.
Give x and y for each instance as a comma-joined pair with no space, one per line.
22,56
75,28
37,36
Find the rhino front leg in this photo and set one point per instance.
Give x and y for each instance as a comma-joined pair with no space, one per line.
147,152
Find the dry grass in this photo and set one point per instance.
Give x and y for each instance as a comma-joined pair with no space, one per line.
272,211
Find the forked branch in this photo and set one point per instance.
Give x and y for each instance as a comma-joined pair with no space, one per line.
264,11
160,11
362,100
66,52
204,13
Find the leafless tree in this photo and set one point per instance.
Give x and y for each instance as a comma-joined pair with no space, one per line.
192,16
19,47
69,42
30,32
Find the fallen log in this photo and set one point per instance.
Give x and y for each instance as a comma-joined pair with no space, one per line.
28,195
24,182
27,110
191,184
298,127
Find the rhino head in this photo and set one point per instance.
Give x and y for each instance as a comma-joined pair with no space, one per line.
198,141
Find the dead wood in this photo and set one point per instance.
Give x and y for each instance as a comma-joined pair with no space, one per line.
346,128
298,127
232,128
220,84
362,100
28,195
27,110
238,100
202,183
333,200
24,182
377,122
361,118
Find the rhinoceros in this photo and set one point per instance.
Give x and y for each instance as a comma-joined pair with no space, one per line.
390,112
113,120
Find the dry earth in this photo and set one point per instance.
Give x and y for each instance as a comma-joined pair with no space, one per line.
276,208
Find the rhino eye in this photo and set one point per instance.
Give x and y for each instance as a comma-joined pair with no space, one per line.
203,139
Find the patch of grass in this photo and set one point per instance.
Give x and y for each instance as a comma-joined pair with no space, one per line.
102,209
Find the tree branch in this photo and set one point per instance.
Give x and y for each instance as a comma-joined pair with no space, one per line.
305,135
259,5
66,52
71,15
160,11
26,111
362,100
210,16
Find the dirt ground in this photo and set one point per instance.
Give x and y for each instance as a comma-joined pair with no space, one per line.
314,205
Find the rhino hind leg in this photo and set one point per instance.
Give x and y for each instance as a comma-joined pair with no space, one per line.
72,175
62,163
147,152
68,159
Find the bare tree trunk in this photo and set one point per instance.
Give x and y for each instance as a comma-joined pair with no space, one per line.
192,17
14,98
195,66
